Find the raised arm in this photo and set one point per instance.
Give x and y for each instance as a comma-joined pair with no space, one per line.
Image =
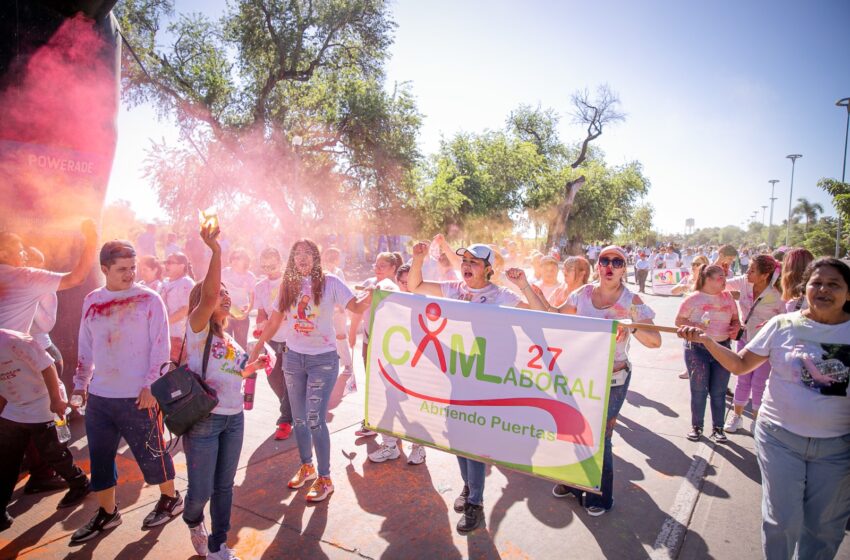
211,285
517,276
415,283
453,257
737,363
84,265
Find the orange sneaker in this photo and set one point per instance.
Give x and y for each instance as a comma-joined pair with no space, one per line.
320,490
305,473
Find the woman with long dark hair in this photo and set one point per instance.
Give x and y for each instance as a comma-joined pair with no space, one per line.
213,444
759,300
308,297
801,436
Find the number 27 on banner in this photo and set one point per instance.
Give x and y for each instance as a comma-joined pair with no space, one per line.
537,353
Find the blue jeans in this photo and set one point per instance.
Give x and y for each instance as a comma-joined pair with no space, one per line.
805,492
212,449
110,419
616,398
309,382
472,473
708,382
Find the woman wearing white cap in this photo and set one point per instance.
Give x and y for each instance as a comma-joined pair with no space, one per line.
609,298
475,286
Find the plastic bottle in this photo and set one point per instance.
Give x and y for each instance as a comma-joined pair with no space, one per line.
62,429
77,402
250,388
705,319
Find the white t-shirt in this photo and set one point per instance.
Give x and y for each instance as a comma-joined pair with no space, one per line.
175,294
793,400
671,260
310,328
240,286
123,342
21,382
45,319
549,289
224,368
266,295
770,305
623,308
491,293
21,289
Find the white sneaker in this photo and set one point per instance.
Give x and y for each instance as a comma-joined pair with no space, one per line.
733,424
223,553
385,453
199,536
416,455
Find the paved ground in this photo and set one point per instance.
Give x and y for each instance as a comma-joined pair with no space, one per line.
674,498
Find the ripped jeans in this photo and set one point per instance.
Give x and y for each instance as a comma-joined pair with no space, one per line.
309,382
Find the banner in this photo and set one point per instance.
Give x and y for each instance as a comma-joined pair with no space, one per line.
521,389
664,279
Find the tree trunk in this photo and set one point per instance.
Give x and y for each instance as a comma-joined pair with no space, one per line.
558,225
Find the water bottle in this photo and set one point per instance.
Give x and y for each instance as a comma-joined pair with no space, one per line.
250,388
705,320
77,402
62,429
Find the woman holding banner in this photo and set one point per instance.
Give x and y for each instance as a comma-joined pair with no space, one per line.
801,436
476,287
609,298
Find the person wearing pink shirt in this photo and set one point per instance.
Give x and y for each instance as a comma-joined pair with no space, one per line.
714,310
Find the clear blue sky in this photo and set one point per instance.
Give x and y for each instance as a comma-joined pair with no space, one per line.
716,93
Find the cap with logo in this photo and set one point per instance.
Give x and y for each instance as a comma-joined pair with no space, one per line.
479,251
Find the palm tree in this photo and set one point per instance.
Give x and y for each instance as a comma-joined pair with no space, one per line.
807,210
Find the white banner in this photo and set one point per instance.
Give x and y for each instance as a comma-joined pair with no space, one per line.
665,279
523,389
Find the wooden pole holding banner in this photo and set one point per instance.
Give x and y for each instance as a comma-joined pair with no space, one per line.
648,327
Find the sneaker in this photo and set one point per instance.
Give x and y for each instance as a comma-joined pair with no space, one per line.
305,473
684,375
39,485
284,430
719,436
734,423
460,501
98,524
562,491
74,496
199,537
364,431
473,517
385,453
350,386
417,455
222,553
320,489
596,511
166,508
6,520
695,433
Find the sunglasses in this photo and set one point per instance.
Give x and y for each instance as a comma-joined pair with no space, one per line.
616,262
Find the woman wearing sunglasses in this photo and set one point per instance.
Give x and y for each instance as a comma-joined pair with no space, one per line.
609,298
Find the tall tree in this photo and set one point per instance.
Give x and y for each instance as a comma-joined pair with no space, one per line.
279,102
808,210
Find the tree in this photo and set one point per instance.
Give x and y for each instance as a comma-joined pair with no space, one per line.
809,211
637,227
279,103
840,193
595,113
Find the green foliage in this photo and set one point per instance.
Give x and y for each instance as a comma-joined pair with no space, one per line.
637,227
280,102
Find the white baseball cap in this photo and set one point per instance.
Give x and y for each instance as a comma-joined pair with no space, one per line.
479,251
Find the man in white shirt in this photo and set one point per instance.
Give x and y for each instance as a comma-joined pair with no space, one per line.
123,343
22,287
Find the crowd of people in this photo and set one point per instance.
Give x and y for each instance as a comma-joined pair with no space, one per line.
778,322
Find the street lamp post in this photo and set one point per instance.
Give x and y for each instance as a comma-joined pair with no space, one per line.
846,104
770,225
763,210
793,158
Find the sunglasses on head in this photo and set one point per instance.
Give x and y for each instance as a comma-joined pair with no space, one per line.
616,262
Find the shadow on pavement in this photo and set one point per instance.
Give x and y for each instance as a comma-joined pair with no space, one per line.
639,401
